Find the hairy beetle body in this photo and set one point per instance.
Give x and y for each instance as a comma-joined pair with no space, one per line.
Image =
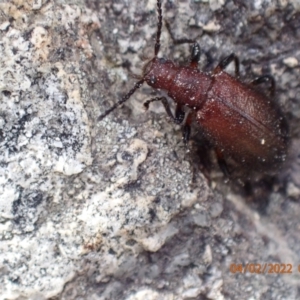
236,118
242,122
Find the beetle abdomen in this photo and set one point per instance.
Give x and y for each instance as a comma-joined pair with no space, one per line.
243,123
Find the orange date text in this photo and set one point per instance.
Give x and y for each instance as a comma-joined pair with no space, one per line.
261,268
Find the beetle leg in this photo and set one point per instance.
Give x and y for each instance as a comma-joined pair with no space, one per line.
195,55
196,51
226,61
186,129
179,114
186,132
178,41
263,79
222,163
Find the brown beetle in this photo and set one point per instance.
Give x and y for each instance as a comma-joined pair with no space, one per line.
237,119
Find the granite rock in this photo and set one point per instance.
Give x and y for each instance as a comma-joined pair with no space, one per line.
120,209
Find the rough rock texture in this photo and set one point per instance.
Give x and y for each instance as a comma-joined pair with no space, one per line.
119,209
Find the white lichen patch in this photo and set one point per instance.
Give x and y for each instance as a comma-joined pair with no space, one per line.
36,264
129,159
216,4
156,241
149,294
41,40
37,4
291,62
211,26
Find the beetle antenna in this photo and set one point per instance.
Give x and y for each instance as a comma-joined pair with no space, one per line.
159,26
139,83
124,99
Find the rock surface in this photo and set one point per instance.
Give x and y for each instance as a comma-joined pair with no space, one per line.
119,209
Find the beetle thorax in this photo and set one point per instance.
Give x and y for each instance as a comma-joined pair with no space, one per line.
160,73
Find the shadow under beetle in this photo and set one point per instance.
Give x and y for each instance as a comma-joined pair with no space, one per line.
237,119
